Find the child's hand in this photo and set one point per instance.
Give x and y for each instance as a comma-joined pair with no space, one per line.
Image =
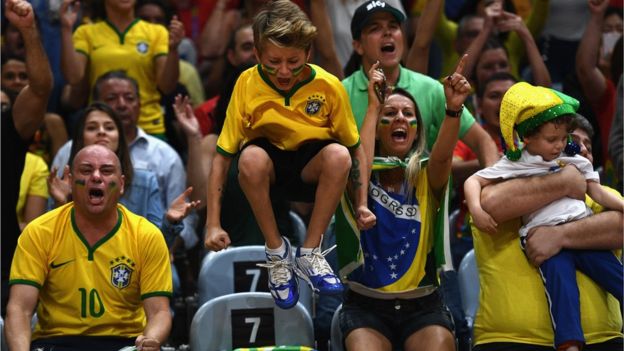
484,221
365,218
456,87
217,239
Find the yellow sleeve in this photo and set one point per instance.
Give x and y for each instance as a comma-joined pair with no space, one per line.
81,39
39,182
30,262
160,41
342,120
232,134
156,277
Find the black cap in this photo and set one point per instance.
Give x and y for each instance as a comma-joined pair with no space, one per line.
365,11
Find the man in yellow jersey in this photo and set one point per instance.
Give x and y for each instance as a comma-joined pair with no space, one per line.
98,274
513,312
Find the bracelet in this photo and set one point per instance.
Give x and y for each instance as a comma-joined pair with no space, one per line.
454,114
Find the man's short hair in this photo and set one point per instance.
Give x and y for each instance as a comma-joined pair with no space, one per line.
498,76
580,122
118,74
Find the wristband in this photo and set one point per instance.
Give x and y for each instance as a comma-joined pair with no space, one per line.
455,114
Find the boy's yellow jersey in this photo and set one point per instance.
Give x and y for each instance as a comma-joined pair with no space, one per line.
316,108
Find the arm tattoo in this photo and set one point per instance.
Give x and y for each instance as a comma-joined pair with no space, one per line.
355,173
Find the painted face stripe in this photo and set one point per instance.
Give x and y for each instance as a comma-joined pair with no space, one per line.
298,70
269,70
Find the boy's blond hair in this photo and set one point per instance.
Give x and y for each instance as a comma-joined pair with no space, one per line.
284,24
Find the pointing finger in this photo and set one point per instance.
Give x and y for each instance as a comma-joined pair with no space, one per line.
460,65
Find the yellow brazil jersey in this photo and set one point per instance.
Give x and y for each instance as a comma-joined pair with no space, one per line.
133,51
91,290
503,267
34,181
317,108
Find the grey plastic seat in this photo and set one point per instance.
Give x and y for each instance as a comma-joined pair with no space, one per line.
299,227
234,270
249,320
468,279
3,343
336,338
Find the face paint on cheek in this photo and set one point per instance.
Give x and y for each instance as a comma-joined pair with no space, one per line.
413,124
385,121
297,71
112,185
269,70
80,182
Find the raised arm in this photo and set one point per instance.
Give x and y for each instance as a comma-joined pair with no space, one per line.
194,169
212,43
324,41
369,125
20,309
73,63
512,22
591,79
492,13
418,55
516,197
168,67
30,105
456,89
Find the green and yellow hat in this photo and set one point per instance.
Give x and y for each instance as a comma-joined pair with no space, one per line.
524,107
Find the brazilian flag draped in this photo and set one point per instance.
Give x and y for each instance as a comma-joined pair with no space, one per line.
349,250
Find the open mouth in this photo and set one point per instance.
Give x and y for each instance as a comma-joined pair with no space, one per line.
399,135
387,48
283,81
96,195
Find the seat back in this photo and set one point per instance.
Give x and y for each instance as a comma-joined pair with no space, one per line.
234,270
3,343
336,338
249,319
299,227
468,278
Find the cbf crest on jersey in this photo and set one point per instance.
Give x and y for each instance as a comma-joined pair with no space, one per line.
142,47
314,104
121,272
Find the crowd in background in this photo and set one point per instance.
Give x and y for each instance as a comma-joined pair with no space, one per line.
198,48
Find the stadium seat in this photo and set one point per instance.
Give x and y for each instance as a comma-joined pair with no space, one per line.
234,270
299,227
249,319
468,277
336,342
3,344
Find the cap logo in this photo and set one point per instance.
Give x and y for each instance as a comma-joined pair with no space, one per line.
374,4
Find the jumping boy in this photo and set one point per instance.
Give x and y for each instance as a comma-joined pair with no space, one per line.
542,117
292,123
